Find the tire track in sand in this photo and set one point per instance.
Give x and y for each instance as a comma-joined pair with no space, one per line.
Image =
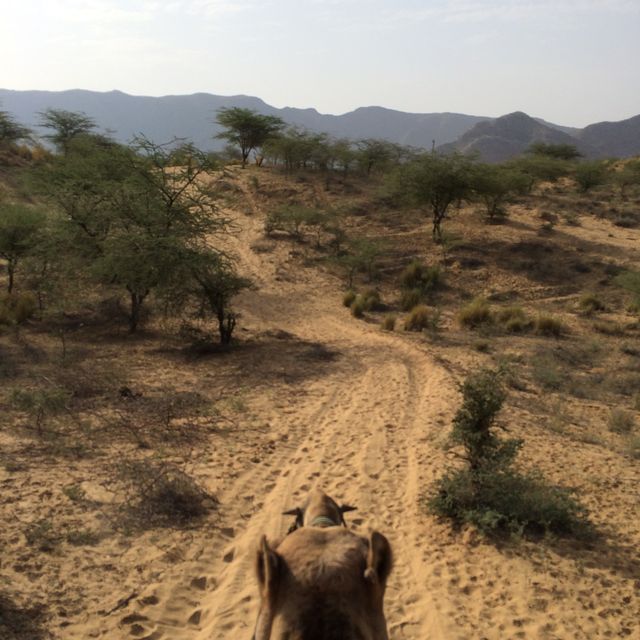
365,433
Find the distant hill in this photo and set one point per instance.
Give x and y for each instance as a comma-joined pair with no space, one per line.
613,139
507,137
193,117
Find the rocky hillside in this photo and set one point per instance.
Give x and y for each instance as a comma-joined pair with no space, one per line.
614,139
507,137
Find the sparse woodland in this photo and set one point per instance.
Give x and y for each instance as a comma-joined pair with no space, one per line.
186,338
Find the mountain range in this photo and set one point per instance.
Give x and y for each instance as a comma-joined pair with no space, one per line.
193,117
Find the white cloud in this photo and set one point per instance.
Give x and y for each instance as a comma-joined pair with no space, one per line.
211,8
104,12
509,10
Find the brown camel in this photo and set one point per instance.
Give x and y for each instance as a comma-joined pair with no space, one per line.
323,582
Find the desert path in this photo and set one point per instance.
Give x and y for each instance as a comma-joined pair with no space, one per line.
366,432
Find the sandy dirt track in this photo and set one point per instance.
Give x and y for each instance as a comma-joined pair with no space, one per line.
368,430
363,433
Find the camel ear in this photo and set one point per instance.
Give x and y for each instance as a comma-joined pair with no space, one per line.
267,570
345,508
267,566
298,522
379,559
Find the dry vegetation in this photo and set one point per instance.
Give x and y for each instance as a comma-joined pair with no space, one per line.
128,460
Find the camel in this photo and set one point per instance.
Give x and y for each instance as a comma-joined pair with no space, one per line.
323,581
319,510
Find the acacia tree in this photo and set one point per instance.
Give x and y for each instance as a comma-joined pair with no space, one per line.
11,131
362,255
591,174
494,185
561,151
377,155
65,126
627,176
247,129
539,168
436,181
215,283
131,215
19,228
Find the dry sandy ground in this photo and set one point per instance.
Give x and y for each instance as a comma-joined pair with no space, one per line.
368,427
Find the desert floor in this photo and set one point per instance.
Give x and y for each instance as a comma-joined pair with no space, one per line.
321,399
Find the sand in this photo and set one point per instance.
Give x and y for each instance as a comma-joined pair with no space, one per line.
365,419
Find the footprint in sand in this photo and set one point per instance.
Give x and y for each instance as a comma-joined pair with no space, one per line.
228,557
136,630
199,583
133,617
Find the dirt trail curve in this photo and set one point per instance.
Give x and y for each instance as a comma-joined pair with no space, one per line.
366,432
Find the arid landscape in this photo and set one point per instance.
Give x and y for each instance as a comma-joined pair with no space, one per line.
309,395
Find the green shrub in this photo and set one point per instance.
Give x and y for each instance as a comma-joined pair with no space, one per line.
372,300
549,326
358,307
546,373
506,502
589,304
476,313
410,298
348,298
571,218
74,492
292,219
621,421
488,492
418,319
513,319
422,277
630,280
51,400
40,405
17,308
41,535
389,323
626,383
590,174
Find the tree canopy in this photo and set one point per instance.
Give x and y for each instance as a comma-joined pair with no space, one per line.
65,126
10,130
133,217
562,151
247,129
19,227
436,181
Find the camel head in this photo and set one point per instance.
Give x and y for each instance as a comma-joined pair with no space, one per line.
319,510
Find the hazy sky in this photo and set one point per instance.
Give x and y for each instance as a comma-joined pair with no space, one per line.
569,61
